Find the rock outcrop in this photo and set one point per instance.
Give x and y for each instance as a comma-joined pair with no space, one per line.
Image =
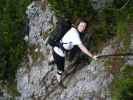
84,82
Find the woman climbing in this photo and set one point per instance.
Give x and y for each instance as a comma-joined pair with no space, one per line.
67,42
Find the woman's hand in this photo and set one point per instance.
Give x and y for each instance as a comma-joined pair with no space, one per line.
94,57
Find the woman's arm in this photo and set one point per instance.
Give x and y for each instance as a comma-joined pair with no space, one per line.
85,50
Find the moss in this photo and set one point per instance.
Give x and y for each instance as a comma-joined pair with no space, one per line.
122,32
81,98
10,88
122,88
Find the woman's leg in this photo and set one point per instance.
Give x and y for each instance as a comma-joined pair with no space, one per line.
59,61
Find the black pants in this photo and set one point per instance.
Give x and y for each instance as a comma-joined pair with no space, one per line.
59,61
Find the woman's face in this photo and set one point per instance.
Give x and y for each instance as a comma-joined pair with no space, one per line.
82,26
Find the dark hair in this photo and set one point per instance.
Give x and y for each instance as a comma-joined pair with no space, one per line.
78,21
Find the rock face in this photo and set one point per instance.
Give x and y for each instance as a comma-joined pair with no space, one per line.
89,82
40,22
86,82
29,83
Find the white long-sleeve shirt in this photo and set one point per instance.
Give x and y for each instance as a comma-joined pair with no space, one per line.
69,40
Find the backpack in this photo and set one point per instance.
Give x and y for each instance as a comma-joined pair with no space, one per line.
63,25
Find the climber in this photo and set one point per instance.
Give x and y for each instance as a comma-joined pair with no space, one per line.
67,42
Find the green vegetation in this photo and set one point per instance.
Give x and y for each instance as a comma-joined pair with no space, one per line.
71,8
122,28
113,20
123,84
12,45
